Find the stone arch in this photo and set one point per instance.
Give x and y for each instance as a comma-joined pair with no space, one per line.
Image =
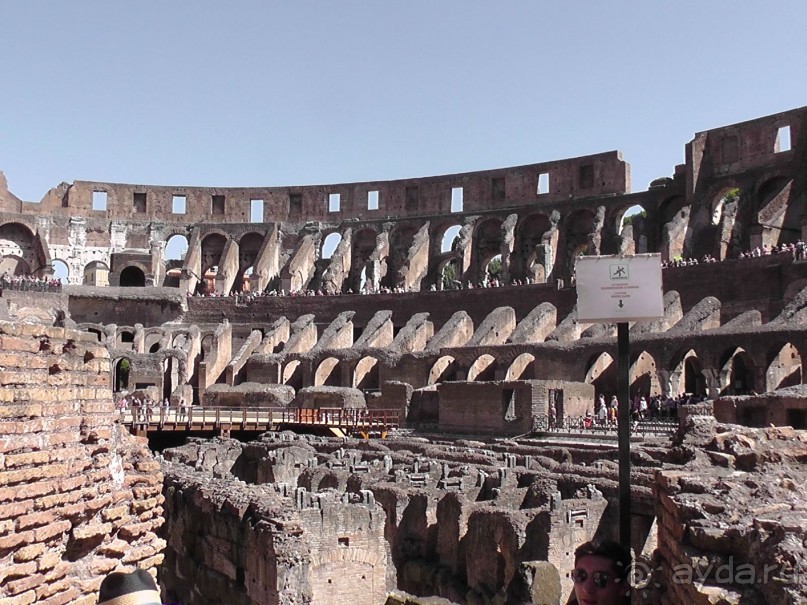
121,369
686,374
124,339
329,244
212,247
522,368
643,375
443,370
205,346
249,246
487,243
365,376
132,277
400,240
327,373
361,266
449,271
483,369
784,367
533,249
631,226
579,237
601,373
152,340
14,265
61,270
292,374
736,372
96,273
447,237
17,241
176,247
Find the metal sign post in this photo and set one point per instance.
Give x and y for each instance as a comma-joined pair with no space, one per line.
620,289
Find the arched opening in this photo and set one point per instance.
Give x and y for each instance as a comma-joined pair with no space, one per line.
170,375
329,245
487,244
493,271
601,373
176,248
125,339
212,248
96,273
366,375
643,377
17,249
694,381
360,277
132,277
450,275
633,229
736,373
60,271
14,265
483,369
249,247
784,368
450,239
293,374
121,378
400,240
328,374
522,368
533,261
579,238
443,370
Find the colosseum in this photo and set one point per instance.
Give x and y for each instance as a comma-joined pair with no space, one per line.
380,392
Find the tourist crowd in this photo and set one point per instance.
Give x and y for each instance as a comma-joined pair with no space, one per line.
797,250
29,283
145,408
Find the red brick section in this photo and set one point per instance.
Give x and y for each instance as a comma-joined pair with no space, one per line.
79,496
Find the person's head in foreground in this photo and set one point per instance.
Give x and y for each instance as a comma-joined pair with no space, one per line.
600,573
135,588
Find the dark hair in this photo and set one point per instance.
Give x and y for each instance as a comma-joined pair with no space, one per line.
610,550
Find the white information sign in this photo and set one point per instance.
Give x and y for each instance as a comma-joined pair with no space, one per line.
619,288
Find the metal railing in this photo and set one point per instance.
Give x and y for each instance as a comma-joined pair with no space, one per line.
257,418
591,425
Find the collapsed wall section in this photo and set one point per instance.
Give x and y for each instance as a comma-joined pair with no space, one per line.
79,496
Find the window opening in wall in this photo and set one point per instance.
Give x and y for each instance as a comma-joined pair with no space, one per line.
334,202
295,204
412,195
372,200
543,183
509,404
99,200
255,211
139,202
497,191
783,139
344,541
178,204
587,176
217,204
456,199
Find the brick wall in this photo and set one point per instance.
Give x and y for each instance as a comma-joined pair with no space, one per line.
79,497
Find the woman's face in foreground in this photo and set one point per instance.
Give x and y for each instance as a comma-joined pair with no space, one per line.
596,581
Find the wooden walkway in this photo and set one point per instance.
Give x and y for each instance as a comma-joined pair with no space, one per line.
336,421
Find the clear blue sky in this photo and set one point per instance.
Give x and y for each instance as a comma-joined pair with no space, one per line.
293,93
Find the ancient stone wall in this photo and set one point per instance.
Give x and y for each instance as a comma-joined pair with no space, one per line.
79,496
